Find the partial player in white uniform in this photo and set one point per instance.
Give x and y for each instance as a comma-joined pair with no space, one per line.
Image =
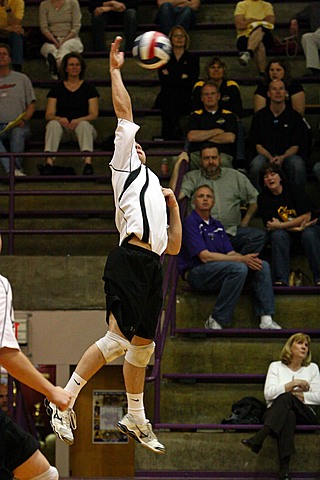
19,451
133,272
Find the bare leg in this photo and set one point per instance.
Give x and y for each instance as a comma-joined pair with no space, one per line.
33,467
134,376
91,361
255,39
260,58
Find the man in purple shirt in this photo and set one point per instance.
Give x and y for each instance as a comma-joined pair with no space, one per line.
208,262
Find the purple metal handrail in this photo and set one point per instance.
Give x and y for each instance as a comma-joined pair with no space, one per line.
168,313
12,193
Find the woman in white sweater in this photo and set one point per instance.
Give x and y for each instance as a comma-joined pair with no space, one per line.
292,386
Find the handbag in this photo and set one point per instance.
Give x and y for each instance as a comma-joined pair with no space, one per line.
286,46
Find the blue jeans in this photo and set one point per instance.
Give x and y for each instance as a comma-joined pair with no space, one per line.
101,22
16,138
230,277
15,42
293,167
168,16
281,241
240,143
316,171
249,240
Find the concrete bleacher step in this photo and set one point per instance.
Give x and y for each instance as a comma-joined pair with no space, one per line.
194,308
202,453
215,355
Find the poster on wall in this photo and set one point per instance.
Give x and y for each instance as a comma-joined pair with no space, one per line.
109,406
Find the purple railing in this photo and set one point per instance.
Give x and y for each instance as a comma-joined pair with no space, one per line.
12,193
168,313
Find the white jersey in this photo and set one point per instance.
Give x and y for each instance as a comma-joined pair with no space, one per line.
7,336
139,201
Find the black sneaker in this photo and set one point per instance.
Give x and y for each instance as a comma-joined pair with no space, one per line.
46,169
87,169
53,69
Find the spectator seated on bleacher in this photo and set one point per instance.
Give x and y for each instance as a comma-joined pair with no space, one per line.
71,108
60,23
230,99
286,211
11,31
207,261
232,191
230,95
177,78
291,389
310,41
174,12
278,69
113,12
277,132
254,21
17,104
212,124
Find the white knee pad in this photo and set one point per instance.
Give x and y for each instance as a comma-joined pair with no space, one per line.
51,474
112,346
139,356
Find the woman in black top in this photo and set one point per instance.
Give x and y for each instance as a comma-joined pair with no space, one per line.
177,78
277,69
72,106
286,212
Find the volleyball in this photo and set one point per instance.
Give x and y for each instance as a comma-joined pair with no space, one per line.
152,50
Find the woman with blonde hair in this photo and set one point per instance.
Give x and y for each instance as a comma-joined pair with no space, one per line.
292,386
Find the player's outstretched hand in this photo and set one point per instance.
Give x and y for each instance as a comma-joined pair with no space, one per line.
60,397
116,57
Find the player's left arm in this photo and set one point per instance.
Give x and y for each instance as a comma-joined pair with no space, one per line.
175,228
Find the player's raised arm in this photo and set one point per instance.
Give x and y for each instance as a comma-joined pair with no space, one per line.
120,96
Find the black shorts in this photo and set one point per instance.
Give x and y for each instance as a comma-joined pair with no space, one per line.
242,42
16,445
133,286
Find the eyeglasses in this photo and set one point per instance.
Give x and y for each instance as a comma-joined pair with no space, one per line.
178,35
74,65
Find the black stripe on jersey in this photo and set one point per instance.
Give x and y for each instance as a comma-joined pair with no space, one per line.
130,178
146,226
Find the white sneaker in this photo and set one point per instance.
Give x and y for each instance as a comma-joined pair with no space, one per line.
244,58
271,325
141,433
19,173
212,324
62,423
